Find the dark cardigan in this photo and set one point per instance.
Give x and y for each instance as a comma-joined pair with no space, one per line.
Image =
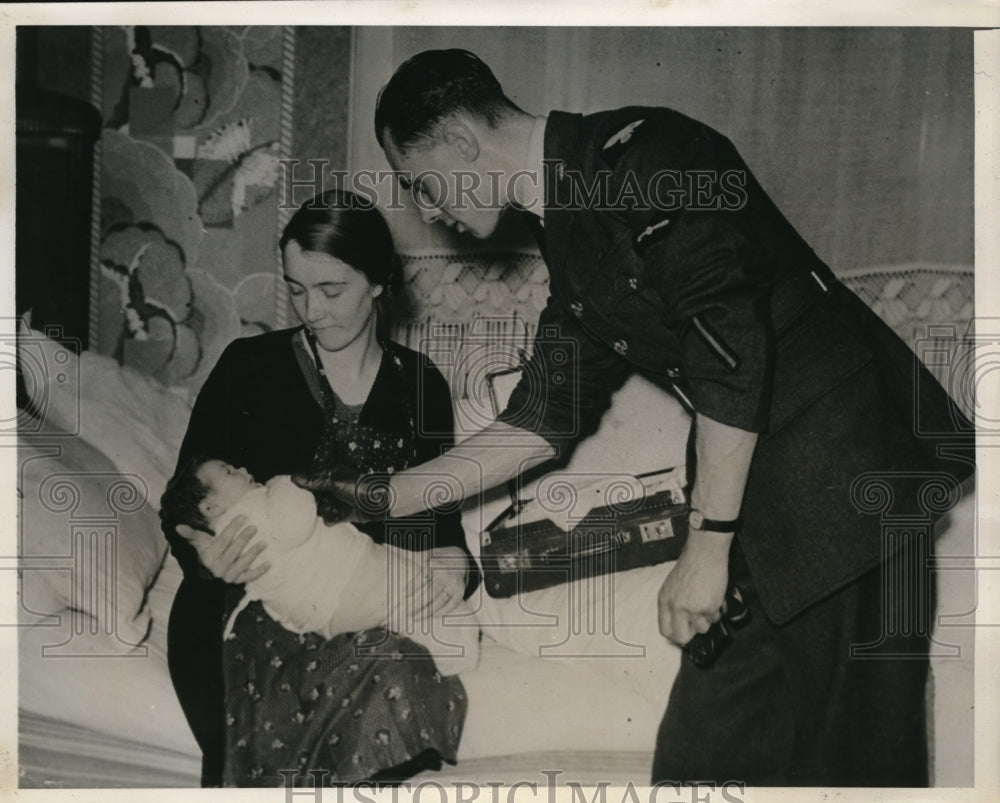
256,410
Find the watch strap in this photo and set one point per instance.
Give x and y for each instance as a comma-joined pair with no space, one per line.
699,522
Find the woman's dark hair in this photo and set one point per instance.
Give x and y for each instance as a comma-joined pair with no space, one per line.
179,503
350,228
432,85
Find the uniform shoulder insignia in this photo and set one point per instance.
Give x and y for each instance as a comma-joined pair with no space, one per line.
655,229
624,135
617,142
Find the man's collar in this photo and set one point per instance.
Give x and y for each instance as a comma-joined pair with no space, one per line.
533,164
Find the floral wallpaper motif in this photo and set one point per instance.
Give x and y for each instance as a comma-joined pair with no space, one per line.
189,219
188,201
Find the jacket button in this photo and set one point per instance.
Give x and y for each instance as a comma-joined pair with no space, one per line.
673,373
621,347
633,283
577,308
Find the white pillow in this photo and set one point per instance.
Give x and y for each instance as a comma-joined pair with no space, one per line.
129,696
89,543
133,419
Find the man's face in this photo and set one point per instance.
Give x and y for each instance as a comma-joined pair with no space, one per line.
447,188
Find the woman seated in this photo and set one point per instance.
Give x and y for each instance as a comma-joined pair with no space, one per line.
332,394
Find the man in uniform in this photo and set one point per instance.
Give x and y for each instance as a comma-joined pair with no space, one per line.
666,257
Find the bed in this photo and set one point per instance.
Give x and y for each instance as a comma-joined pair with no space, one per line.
575,696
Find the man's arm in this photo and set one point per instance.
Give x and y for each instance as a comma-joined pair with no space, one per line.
492,456
542,414
692,595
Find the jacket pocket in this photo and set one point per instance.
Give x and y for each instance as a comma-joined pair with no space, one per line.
812,357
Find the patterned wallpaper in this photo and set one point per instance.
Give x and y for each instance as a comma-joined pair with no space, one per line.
188,172
195,120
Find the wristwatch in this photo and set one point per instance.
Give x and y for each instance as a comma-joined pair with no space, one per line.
697,521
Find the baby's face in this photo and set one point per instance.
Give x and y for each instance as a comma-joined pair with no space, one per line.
225,486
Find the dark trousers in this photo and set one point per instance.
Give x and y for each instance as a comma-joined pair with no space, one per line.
792,705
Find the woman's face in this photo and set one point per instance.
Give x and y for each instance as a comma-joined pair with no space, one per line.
335,301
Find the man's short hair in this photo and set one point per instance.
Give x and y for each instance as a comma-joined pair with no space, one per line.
184,492
431,86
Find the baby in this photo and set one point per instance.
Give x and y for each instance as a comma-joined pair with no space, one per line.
327,579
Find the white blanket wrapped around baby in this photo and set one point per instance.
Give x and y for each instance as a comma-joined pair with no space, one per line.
333,579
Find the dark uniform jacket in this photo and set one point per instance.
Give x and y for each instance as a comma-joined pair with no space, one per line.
667,257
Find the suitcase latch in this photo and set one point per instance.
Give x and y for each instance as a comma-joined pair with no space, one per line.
656,530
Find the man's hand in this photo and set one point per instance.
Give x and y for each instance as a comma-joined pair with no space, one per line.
227,555
341,495
692,597
693,594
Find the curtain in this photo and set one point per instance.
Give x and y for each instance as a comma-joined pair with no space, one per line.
863,137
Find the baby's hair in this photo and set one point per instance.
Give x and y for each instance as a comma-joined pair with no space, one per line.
179,503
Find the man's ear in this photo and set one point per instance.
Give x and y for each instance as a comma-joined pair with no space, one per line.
462,138
206,508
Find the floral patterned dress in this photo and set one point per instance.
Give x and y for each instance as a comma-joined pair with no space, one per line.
302,710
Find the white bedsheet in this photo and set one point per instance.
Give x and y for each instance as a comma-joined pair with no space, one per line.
517,704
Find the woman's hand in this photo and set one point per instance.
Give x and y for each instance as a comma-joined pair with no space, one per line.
227,555
449,576
693,594
432,585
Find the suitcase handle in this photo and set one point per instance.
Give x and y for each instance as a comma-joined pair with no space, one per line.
610,545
